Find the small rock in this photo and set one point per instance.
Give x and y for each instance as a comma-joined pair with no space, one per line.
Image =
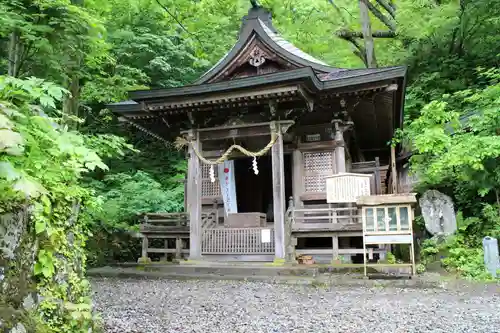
28,302
19,328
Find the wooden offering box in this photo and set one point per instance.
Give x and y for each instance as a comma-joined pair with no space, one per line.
246,220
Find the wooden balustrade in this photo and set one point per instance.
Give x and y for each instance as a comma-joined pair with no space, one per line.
164,226
164,222
236,241
332,218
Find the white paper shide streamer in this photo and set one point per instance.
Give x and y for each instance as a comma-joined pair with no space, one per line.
254,166
212,174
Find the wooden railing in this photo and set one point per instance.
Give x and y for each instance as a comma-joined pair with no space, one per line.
378,171
329,216
236,241
164,226
315,216
164,222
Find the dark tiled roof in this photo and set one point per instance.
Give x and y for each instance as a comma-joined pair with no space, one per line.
349,73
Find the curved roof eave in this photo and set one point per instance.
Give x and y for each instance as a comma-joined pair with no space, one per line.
348,78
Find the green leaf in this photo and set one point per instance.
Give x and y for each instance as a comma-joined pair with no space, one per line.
45,264
5,122
10,142
47,101
8,172
11,112
47,271
38,268
29,187
55,92
40,226
46,204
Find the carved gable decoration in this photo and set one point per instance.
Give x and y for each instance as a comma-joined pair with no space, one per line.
257,57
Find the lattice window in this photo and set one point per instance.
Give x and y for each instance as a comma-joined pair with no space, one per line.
209,189
317,166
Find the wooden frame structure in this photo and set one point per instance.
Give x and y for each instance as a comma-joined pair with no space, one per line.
387,220
329,121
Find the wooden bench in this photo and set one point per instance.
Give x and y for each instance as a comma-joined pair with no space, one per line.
165,226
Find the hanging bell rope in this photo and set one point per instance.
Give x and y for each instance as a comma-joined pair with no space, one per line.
181,142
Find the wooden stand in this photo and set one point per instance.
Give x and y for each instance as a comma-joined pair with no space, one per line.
387,220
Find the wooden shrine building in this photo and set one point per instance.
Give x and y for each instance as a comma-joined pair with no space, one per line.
304,134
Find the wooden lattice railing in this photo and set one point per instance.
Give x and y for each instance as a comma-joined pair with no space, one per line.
334,215
236,241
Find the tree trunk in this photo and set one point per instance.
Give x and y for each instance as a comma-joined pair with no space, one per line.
14,53
498,200
72,103
367,34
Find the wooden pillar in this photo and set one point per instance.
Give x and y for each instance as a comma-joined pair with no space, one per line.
394,184
378,181
278,193
298,178
145,245
165,246
178,247
339,150
335,246
145,242
194,197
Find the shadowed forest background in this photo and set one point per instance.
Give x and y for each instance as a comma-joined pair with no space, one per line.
68,59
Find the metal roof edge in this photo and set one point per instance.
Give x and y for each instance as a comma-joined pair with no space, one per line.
125,106
294,58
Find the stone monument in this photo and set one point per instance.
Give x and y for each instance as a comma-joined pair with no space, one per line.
491,257
438,213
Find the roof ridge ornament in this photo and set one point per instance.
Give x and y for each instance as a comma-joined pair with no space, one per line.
255,4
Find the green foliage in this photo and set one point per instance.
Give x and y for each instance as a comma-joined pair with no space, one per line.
146,50
41,165
456,147
125,196
456,140
391,259
456,256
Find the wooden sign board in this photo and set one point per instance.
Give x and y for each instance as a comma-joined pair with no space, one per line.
347,187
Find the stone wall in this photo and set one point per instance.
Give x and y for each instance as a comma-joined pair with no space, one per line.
18,294
57,302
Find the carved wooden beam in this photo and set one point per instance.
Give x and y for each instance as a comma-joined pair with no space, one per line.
307,98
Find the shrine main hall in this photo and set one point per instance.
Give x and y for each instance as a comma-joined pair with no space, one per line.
287,155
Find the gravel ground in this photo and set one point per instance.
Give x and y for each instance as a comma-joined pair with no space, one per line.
150,306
